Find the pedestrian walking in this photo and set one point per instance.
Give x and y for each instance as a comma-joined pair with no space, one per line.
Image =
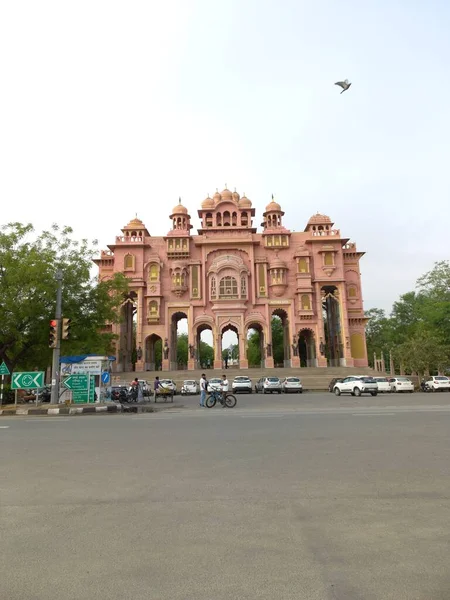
203,388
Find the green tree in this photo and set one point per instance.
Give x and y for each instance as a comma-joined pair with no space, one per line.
206,353
379,333
254,349
434,288
28,264
182,349
422,352
277,340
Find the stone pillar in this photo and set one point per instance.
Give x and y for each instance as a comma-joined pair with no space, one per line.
173,346
191,343
140,363
268,349
391,365
320,337
218,351
242,344
348,359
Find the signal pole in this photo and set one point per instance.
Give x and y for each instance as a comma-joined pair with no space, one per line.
57,349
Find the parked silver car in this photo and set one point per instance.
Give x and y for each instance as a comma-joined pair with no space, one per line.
268,385
292,384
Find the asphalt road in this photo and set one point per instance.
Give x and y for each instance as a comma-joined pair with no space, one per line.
325,500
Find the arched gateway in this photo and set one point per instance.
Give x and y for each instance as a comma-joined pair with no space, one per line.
292,299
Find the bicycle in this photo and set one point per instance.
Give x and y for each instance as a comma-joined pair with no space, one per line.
229,401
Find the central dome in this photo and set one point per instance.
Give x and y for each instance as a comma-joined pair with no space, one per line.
226,194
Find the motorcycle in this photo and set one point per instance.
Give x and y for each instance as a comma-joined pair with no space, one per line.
119,395
424,387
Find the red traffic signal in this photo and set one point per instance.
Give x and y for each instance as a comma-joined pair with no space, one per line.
53,333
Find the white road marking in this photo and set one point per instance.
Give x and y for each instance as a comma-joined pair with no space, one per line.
380,414
4,426
47,419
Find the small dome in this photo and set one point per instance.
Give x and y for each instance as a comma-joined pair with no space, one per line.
244,202
217,197
319,219
208,203
179,209
273,207
236,196
226,194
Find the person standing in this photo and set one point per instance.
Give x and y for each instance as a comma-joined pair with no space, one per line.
203,388
224,385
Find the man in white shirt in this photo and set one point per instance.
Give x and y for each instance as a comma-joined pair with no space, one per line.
224,385
203,388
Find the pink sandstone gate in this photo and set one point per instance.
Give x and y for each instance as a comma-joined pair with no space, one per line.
229,275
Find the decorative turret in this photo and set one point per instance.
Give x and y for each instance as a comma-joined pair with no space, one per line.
272,216
135,230
274,232
226,210
181,226
180,218
319,225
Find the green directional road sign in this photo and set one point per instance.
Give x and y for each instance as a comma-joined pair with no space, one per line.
27,380
4,369
82,387
77,382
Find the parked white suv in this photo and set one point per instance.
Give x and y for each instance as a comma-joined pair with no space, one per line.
438,383
242,383
356,386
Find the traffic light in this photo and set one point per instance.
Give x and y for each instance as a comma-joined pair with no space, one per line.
65,329
54,333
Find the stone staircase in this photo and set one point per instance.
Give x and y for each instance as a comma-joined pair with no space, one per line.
312,378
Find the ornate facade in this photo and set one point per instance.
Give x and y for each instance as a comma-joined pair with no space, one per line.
228,276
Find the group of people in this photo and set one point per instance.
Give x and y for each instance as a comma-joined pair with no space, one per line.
224,385
204,388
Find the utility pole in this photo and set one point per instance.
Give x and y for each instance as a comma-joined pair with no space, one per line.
57,349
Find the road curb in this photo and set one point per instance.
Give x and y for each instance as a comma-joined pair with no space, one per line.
61,410
86,410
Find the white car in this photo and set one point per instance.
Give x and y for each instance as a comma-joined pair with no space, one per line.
169,384
438,383
401,384
292,384
356,386
215,383
384,387
242,383
190,386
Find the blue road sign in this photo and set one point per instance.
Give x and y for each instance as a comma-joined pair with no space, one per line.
105,377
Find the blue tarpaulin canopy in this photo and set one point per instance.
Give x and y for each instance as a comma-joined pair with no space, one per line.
80,357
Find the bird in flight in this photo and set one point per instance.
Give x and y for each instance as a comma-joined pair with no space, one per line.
344,85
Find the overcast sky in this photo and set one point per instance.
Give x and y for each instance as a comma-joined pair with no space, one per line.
108,109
